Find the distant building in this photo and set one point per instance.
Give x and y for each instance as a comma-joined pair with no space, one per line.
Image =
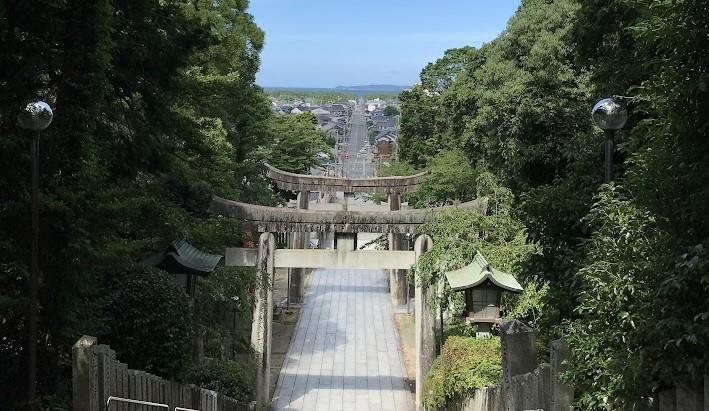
385,142
384,123
338,109
374,104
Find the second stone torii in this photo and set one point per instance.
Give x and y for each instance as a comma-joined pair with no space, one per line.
304,184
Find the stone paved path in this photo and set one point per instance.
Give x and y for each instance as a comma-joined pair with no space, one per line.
344,354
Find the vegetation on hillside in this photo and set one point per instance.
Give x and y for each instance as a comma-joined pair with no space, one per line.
155,110
465,363
621,268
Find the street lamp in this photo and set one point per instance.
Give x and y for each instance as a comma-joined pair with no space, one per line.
36,116
610,115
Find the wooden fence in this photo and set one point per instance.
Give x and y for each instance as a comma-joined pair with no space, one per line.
97,375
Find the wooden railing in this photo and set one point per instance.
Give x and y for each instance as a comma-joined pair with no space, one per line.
98,376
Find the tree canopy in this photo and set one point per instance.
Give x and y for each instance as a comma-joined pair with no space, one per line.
620,267
155,110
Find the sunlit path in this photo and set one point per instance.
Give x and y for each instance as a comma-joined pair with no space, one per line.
345,351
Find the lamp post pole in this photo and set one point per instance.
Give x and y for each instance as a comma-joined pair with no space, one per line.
32,314
609,155
610,115
36,116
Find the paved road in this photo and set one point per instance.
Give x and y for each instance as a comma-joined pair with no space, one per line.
358,166
345,353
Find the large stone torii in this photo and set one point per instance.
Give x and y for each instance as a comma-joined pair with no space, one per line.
303,184
266,258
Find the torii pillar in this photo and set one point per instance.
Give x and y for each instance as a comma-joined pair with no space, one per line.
299,241
425,323
262,322
397,278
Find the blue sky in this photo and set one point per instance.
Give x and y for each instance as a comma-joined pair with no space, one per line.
316,43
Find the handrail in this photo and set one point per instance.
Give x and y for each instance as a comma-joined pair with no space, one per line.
128,400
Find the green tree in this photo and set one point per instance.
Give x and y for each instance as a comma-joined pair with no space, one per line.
451,178
147,318
519,106
417,142
155,110
391,111
296,144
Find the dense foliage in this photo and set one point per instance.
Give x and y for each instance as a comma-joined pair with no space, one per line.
296,143
310,96
140,304
621,270
227,377
465,363
155,110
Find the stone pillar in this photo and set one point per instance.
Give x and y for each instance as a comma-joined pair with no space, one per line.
348,197
346,241
562,394
667,400
84,375
397,278
299,241
262,319
706,392
690,396
518,357
425,323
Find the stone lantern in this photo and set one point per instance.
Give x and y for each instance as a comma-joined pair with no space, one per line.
483,286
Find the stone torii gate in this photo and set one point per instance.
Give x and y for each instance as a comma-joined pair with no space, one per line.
391,186
266,258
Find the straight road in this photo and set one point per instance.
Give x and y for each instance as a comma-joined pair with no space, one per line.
358,167
345,353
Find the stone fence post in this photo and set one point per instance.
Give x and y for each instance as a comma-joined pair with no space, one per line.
562,394
84,376
518,357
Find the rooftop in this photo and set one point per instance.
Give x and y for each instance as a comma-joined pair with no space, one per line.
477,272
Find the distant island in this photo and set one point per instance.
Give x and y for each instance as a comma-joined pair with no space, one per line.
376,90
389,88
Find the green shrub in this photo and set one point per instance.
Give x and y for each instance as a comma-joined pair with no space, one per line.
464,365
227,377
148,320
461,330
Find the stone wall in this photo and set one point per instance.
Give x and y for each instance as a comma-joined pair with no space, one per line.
98,375
692,396
528,386
525,385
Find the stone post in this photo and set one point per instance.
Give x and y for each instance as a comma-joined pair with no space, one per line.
690,396
562,394
348,197
262,319
300,240
425,323
706,392
667,400
84,375
397,278
518,357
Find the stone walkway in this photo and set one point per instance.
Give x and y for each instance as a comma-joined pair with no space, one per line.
344,354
